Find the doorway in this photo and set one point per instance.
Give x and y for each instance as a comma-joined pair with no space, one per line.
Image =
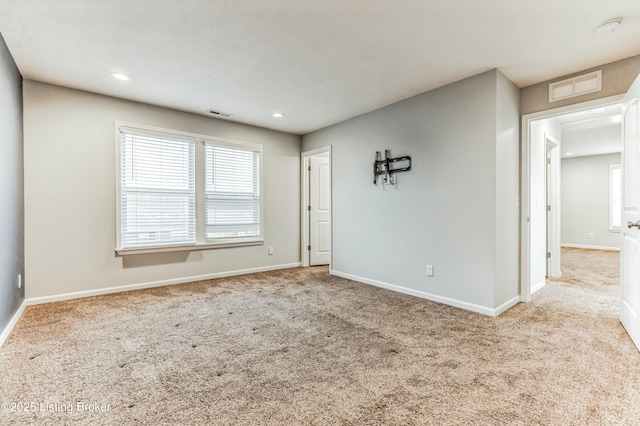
316,207
540,229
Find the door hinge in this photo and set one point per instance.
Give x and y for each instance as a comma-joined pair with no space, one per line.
309,248
309,168
548,255
309,208
548,160
548,208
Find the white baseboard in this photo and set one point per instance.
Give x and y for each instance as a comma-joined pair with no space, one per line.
582,246
140,286
506,305
12,322
433,297
538,286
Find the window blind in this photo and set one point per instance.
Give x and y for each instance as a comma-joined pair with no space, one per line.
232,192
157,188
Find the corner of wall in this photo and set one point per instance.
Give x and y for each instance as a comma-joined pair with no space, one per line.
11,186
507,218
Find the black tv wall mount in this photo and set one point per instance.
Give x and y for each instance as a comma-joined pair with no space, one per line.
383,167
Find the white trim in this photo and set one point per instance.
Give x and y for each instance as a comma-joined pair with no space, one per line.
538,286
613,167
525,188
192,247
506,305
583,246
304,201
161,131
553,197
12,322
433,297
109,290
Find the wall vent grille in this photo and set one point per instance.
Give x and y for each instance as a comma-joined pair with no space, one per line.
575,86
219,114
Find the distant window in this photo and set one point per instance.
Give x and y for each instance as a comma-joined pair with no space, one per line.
178,189
615,196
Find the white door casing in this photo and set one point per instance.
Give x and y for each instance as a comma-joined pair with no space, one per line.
320,210
630,252
553,200
528,235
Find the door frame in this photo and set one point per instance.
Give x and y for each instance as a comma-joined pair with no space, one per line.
553,199
304,201
526,239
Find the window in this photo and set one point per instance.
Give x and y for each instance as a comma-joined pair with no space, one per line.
615,197
184,191
232,192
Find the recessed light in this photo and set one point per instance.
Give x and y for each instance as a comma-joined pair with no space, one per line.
120,76
569,154
278,114
609,26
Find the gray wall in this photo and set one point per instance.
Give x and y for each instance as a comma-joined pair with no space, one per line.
617,78
444,211
11,187
585,201
70,196
507,190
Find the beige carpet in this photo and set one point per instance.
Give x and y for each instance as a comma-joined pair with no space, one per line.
300,347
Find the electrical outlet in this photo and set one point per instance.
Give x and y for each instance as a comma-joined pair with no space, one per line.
590,234
429,270
270,251
19,280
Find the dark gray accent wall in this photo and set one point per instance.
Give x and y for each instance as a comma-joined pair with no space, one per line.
11,187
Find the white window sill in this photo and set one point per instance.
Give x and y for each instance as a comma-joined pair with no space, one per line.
190,247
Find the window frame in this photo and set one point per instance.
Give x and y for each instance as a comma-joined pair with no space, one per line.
199,141
613,167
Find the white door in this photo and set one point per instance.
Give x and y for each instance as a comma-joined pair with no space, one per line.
630,254
320,211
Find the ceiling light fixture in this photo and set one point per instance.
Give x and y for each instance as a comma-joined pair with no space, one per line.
120,76
609,26
278,114
569,154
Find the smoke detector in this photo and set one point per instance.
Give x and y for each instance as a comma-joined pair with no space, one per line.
609,26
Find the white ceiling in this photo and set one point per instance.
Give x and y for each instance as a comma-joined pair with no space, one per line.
595,141
317,61
591,132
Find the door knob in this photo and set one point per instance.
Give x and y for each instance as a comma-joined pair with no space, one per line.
632,224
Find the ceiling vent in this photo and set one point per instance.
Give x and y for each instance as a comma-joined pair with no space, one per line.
219,114
576,86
